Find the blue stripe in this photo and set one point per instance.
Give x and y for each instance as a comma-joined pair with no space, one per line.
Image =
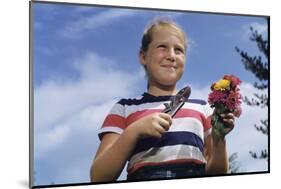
145,99
169,139
148,98
197,101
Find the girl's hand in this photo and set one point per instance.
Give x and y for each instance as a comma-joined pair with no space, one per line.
154,125
229,120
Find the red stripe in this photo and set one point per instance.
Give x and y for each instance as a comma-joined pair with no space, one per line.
140,114
207,124
121,122
140,165
190,113
184,112
114,120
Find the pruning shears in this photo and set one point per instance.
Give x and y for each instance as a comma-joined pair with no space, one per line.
177,102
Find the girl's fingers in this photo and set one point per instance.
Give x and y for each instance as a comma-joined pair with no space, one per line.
167,117
159,130
227,116
229,119
229,123
165,124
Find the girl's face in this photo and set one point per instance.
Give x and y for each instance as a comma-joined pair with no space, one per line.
165,58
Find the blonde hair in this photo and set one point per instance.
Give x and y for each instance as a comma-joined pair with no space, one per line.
148,33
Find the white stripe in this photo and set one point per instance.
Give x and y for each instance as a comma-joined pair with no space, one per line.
197,107
145,106
126,110
111,129
167,153
188,124
193,106
117,109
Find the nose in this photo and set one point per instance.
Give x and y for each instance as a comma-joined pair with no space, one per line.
171,56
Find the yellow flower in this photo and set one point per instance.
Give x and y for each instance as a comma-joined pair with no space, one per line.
222,85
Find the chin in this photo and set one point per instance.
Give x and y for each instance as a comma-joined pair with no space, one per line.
169,83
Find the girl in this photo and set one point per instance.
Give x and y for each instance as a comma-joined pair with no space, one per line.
155,145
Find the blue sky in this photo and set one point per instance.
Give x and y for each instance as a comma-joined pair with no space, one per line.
85,58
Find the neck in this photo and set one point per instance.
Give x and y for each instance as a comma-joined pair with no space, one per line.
162,91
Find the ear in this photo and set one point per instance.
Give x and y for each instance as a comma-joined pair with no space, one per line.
142,57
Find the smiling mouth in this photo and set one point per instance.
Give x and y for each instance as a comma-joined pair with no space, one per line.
169,66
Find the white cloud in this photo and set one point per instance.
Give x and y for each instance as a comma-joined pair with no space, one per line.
81,104
98,82
46,140
199,92
95,21
68,115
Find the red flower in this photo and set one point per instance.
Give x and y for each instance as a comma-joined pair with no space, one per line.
235,81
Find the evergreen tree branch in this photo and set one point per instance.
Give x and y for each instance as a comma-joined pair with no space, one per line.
264,127
262,155
259,69
261,43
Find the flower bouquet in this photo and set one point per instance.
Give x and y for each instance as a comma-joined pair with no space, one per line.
225,98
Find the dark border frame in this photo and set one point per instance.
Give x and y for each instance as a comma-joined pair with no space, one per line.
31,100
31,97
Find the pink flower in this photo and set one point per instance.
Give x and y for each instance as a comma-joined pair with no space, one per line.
227,100
233,100
216,97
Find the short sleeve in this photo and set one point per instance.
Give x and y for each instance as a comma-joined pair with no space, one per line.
208,111
115,121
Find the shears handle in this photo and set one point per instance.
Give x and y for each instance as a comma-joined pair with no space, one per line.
177,102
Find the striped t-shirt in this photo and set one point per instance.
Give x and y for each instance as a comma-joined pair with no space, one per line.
182,143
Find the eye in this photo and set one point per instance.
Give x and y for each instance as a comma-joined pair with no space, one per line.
179,50
161,46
